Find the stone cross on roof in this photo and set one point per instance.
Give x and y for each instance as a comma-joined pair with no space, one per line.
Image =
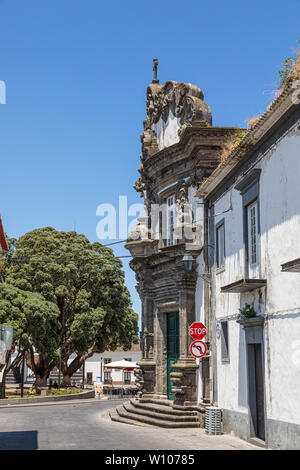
155,65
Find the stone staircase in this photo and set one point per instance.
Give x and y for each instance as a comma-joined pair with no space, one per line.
162,413
14,376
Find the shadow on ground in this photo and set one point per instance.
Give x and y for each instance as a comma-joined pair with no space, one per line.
19,440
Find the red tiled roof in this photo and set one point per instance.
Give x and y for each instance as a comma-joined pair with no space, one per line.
3,242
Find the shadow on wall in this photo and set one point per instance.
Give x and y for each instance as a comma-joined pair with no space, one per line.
242,370
19,440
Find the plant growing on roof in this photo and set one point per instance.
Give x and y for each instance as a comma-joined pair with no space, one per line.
290,69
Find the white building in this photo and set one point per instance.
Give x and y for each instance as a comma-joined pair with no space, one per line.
253,207
95,366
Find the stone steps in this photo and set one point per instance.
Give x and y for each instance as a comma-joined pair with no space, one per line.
114,416
161,408
152,414
165,423
156,401
159,414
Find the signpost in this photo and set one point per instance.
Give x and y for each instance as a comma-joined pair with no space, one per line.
197,331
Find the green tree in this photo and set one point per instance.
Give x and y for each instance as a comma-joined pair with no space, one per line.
36,330
85,282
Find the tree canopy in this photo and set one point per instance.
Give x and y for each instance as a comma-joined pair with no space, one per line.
84,284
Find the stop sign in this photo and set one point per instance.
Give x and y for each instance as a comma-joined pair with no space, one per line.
197,330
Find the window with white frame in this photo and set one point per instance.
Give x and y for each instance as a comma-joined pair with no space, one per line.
220,245
252,222
170,220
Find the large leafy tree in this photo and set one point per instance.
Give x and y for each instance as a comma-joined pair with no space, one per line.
35,326
85,282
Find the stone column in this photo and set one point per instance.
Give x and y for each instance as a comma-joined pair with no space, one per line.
147,363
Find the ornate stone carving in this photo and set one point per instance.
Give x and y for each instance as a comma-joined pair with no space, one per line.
174,100
147,343
181,192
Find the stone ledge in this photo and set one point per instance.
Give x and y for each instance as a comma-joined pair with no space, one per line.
37,400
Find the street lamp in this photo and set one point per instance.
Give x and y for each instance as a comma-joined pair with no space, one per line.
6,337
188,262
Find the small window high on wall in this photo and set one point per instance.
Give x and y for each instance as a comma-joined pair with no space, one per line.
220,244
224,341
252,234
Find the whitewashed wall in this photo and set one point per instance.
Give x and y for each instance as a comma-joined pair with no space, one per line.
167,132
279,200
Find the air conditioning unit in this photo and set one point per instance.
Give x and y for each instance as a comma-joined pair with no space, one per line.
213,420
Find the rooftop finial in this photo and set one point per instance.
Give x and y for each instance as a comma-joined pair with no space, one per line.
155,65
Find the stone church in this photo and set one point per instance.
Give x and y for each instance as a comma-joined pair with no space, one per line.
180,148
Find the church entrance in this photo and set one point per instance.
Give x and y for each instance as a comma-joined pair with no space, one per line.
172,347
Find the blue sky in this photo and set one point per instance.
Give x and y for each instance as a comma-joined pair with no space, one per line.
76,74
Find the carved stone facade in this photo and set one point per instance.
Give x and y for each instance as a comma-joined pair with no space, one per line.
179,148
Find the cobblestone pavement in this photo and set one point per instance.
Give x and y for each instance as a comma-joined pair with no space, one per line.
85,425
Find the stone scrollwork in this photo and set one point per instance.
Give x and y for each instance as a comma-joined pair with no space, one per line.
183,101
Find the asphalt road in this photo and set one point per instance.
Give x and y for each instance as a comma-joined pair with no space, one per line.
85,425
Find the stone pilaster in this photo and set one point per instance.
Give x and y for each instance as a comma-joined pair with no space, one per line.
147,363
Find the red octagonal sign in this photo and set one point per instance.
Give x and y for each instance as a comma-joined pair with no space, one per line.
197,330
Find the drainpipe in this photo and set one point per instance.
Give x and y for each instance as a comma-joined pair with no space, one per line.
205,362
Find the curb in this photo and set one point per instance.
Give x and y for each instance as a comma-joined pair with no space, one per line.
41,400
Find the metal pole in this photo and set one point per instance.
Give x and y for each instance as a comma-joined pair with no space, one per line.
22,376
83,373
59,367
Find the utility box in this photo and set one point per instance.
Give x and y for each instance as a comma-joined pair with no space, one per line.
213,420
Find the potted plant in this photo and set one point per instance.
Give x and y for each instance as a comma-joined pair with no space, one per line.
247,312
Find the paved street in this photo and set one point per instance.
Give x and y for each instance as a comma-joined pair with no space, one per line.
85,425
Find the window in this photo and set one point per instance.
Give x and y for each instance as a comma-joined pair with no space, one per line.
127,359
107,360
249,190
224,341
170,220
127,377
220,245
252,233
107,375
89,378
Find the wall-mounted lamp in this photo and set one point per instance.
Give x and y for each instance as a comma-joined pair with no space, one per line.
188,262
